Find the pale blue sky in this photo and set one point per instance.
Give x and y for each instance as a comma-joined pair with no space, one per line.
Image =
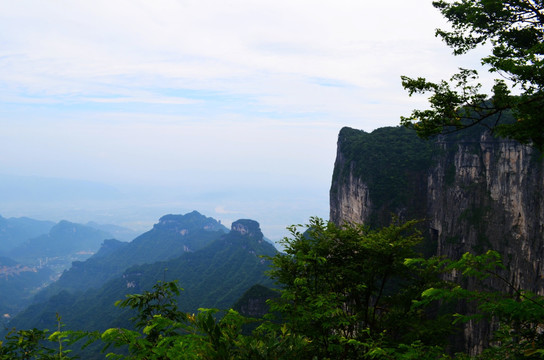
231,108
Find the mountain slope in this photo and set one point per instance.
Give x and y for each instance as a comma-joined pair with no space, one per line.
18,283
171,237
214,276
14,231
66,241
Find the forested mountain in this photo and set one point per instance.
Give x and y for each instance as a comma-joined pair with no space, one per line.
171,237
216,275
65,242
18,283
475,192
14,231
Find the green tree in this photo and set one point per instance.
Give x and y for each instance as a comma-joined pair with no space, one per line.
347,290
517,313
164,332
40,344
514,29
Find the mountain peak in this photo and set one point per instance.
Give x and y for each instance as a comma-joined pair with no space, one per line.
247,227
188,222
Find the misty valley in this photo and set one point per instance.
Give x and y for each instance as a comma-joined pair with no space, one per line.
432,248
148,148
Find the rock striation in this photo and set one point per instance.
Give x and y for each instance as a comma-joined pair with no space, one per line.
475,192
248,227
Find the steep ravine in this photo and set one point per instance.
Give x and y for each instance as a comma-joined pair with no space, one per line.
476,193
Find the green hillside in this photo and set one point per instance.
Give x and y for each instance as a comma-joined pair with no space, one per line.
214,276
171,237
14,231
18,284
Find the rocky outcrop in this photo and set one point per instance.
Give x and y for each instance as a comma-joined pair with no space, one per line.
488,195
378,174
247,227
350,202
182,224
476,193
253,302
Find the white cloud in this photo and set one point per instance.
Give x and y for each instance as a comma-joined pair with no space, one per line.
206,93
78,47
219,209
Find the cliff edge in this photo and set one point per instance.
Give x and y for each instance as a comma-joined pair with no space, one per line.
475,192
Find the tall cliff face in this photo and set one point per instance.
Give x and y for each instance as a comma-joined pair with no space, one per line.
378,174
476,193
349,196
488,194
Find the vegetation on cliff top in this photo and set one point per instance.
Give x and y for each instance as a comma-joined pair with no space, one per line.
388,160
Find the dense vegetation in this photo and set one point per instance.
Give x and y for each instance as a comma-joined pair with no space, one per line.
349,292
216,275
513,33
388,160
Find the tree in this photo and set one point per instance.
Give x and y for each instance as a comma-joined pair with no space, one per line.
518,314
515,31
346,289
165,333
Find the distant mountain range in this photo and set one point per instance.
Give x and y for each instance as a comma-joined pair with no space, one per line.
34,253
214,266
65,241
18,283
171,237
14,231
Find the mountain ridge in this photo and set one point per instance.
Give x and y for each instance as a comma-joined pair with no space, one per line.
216,275
172,236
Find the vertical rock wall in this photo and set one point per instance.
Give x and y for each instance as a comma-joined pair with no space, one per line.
479,193
488,195
350,200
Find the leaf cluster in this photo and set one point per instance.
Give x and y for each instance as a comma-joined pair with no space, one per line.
344,287
514,29
518,313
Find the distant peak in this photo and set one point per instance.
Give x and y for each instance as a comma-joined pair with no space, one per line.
247,227
190,221
170,218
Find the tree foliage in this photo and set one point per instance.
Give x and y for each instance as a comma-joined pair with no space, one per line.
514,31
347,292
344,288
517,313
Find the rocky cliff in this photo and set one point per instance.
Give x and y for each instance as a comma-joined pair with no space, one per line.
475,191
378,174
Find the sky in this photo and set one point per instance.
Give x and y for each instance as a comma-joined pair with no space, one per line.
230,108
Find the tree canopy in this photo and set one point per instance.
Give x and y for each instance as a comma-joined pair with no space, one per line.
514,31
346,292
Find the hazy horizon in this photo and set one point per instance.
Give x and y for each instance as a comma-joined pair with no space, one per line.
231,109
139,207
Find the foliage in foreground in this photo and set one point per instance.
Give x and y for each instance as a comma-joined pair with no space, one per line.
514,32
346,292
518,314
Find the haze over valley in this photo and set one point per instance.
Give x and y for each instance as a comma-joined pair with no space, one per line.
278,179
